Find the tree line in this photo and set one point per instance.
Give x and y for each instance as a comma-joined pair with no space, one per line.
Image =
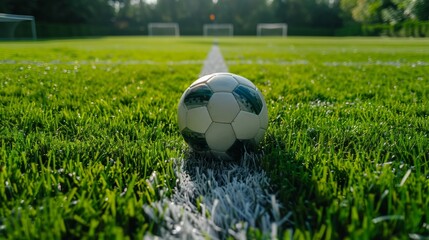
307,16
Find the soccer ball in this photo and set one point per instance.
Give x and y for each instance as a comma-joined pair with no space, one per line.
222,115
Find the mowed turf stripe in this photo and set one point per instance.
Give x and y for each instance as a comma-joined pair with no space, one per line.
218,200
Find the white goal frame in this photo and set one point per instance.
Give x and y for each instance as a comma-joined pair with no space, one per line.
217,26
175,26
270,26
16,19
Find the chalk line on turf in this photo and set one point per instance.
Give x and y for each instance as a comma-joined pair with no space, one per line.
214,62
77,63
217,200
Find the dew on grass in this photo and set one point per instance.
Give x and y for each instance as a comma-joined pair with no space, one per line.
416,236
123,192
384,194
384,164
344,203
387,218
320,103
176,230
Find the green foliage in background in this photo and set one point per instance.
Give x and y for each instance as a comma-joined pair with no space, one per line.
71,18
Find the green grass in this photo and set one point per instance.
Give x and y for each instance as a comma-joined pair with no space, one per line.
79,142
342,138
88,132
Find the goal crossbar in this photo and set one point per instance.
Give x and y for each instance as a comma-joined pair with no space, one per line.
174,26
272,26
19,18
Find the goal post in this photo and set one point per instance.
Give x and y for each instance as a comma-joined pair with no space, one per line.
271,29
215,29
9,23
163,29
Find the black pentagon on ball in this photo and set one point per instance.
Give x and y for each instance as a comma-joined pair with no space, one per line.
248,99
198,96
196,141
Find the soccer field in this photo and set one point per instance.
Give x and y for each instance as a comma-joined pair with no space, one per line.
89,135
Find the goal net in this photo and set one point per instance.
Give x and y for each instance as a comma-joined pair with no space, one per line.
163,29
218,30
272,29
17,26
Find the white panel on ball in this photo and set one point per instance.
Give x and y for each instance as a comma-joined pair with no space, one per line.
222,83
246,125
182,116
198,119
223,107
263,116
244,81
259,136
202,79
220,136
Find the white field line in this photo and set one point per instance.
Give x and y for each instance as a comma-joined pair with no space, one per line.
217,200
99,62
214,62
211,69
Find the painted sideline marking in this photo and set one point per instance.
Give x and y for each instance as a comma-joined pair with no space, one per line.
214,62
215,67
